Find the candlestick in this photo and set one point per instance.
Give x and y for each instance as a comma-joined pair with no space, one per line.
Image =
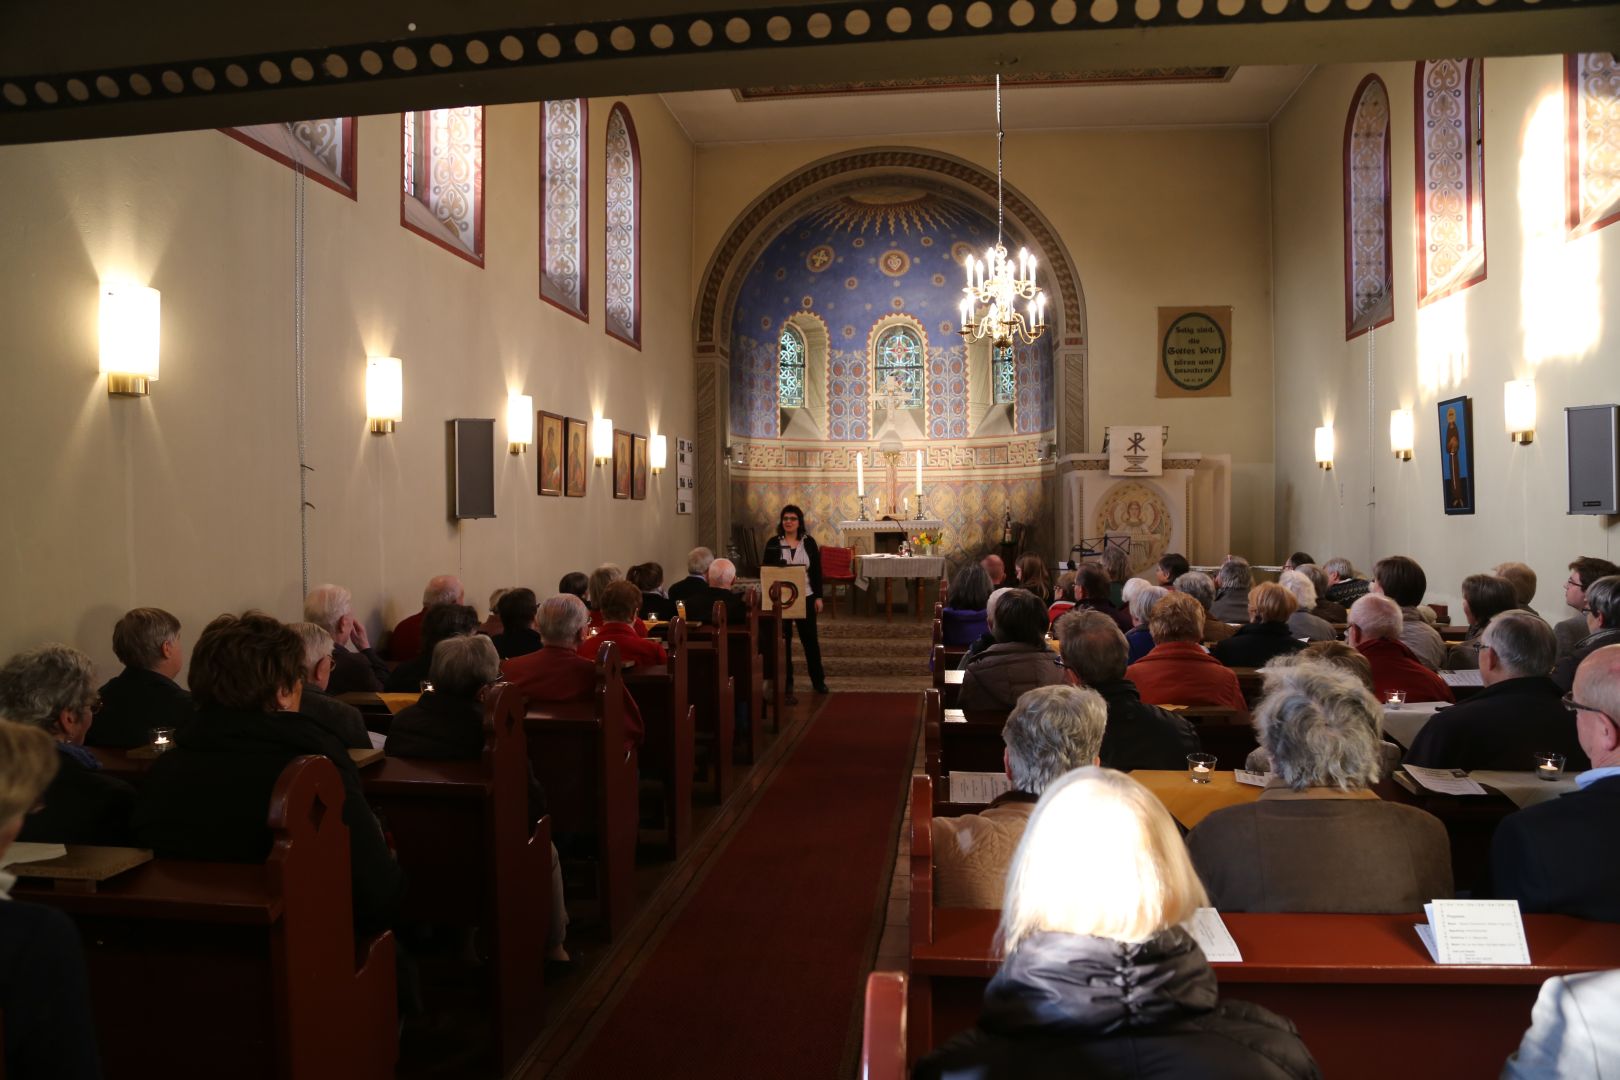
860,475
919,471
920,514
863,516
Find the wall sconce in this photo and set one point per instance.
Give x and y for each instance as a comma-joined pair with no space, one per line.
658,455
385,393
1519,409
1324,447
602,439
519,422
131,316
1401,433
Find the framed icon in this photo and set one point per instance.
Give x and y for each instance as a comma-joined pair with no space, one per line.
576,463
550,426
638,466
1456,417
621,464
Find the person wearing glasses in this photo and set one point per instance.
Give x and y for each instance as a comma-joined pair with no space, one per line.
52,688
1582,573
1555,856
793,546
1516,716
1602,611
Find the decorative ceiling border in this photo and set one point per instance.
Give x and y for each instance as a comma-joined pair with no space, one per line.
950,83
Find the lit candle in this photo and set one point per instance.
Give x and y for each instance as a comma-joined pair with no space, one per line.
905,505
1396,697
919,472
1547,770
967,268
860,475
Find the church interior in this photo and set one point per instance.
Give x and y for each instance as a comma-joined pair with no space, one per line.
377,294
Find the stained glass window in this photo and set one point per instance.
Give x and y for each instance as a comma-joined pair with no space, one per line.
623,299
1366,219
442,181
900,358
1450,176
322,150
562,203
1592,93
1004,375
790,369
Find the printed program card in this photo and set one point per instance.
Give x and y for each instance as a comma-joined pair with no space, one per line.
1474,932
1253,779
1445,781
978,788
1213,937
1462,677
27,853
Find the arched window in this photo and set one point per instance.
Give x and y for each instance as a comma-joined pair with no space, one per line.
790,369
897,355
442,187
322,150
1592,97
1367,256
623,247
1004,375
1450,176
563,133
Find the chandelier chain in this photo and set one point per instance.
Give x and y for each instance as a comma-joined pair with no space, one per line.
1001,136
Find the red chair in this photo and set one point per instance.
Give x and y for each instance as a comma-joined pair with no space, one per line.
838,568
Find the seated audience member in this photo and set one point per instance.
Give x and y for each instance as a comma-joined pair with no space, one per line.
1557,856
1518,714
1572,1034
1064,590
1402,580
1297,560
1100,977
1343,657
1484,597
963,617
518,636
988,638
1374,630
1140,638
447,724
44,994
1318,839
354,665
700,605
443,621
1138,736
556,672
1304,622
1582,573
405,643
696,579
1523,579
1092,592
618,609
1345,586
601,578
649,578
1031,569
492,623
1051,730
209,797
1201,587
1233,582
1266,635
575,583
1018,661
995,570
50,688
1603,628
1170,567
339,718
1117,562
1326,610
144,695
1178,670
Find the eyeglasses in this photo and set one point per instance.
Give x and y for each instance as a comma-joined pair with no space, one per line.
1575,583
1574,706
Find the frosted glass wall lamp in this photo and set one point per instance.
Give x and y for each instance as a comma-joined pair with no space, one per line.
1401,433
385,393
658,455
130,319
519,422
1519,409
602,439
1324,447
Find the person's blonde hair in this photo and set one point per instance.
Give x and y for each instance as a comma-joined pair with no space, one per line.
1100,857
28,764
1176,617
1270,602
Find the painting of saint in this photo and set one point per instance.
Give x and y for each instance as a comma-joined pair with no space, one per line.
621,464
1133,510
551,454
638,469
1457,455
574,464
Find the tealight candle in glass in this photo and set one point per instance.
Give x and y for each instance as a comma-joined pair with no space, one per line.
1395,697
162,739
1549,766
1200,767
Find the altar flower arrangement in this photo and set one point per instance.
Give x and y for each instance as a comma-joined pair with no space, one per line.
925,540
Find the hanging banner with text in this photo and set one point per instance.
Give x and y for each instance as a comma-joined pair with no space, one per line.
1195,352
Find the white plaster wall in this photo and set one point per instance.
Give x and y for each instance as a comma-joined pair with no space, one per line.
1549,308
188,500
1152,218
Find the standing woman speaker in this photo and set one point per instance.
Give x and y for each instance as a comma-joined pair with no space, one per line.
793,546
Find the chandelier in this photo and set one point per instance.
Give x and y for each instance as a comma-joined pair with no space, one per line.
998,284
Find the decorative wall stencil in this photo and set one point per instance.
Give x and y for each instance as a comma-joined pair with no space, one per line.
755,381
563,171
947,393
323,149
846,396
1457,454
442,194
622,294
1450,176
1368,283
818,260
1592,96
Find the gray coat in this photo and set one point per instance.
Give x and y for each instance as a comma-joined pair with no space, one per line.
997,676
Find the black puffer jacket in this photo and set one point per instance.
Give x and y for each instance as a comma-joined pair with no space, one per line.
1064,1005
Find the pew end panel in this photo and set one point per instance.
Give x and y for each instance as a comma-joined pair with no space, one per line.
883,1038
668,753
712,690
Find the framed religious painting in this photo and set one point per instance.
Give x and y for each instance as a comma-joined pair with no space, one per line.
550,426
638,466
621,464
576,466
1456,417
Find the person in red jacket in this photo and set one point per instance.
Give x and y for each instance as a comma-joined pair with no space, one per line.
556,671
1374,631
1178,670
618,606
406,641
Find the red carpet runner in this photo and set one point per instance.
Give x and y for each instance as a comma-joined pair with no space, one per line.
760,974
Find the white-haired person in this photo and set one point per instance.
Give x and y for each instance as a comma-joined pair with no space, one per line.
1304,622
338,717
1374,630
1318,838
988,638
44,994
405,642
1233,581
1051,730
1140,637
696,580
556,671
1100,977
1201,587
354,665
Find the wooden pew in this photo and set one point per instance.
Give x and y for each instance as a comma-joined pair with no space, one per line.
199,968
578,753
952,654
746,663
1226,733
378,709
667,754
883,1034
1470,822
1360,988
461,832
712,691
1250,682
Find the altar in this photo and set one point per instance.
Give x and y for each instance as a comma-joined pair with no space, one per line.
1186,507
885,535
